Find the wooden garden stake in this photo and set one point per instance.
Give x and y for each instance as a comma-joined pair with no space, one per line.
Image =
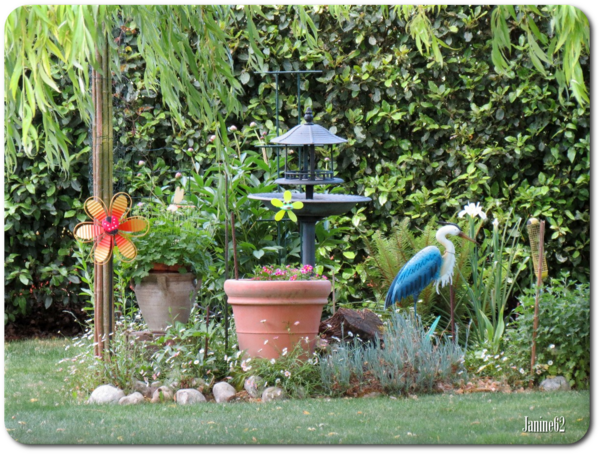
537,294
226,257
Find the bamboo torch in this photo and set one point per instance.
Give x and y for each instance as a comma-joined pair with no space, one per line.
535,229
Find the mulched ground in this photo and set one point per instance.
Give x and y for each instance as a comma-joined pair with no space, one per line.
56,321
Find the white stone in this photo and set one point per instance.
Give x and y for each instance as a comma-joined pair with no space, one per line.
162,394
132,399
555,384
106,394
254,386
272,393
189,396
223,392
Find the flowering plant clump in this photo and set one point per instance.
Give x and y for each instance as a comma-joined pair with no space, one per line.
287,273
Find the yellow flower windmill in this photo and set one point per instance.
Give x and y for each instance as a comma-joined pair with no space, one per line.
286,207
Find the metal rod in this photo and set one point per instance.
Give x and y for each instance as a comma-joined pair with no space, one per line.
235,262
206,338
308,241
452,311
298,99
226,257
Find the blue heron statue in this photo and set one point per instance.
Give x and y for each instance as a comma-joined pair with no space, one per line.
427,266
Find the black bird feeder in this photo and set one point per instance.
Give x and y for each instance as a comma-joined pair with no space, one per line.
301,170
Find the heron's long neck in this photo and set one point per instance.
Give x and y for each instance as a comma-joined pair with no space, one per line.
448,261
449,245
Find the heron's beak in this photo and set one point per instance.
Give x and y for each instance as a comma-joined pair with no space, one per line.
462,235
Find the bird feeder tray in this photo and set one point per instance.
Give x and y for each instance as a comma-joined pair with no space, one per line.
320,206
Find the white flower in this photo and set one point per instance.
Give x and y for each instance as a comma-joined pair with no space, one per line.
521,370
550,362
552,346
245,367
472,210
495,223
264,321
272,360
172,208
266,342
284,352
287,374
196,362
296,323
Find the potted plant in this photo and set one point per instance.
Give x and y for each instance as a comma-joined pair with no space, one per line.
171,260
277,308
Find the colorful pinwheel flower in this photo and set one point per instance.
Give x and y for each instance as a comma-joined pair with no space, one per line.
111,228
286,207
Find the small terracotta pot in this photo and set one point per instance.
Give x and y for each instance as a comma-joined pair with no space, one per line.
162,268
273,315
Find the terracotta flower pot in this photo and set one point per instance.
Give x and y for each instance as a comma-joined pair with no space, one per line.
162,268
166,298
273,315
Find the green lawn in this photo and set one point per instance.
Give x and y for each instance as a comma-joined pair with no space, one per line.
39,410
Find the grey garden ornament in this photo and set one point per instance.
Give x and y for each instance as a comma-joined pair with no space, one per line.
301,169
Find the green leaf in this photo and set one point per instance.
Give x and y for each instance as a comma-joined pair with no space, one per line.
24,279
258,254
349,255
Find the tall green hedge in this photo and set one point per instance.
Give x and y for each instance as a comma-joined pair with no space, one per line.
423,139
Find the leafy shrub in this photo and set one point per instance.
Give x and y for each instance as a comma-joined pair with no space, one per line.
411,361
296,374
563,337
41,208
180,355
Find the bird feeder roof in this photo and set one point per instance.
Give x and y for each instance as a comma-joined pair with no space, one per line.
308,133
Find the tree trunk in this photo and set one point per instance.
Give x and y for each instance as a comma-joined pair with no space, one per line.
102,164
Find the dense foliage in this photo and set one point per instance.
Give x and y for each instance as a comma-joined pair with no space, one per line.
423,140
563,339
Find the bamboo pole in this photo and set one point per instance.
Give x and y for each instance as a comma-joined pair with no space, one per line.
102,163
537,295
